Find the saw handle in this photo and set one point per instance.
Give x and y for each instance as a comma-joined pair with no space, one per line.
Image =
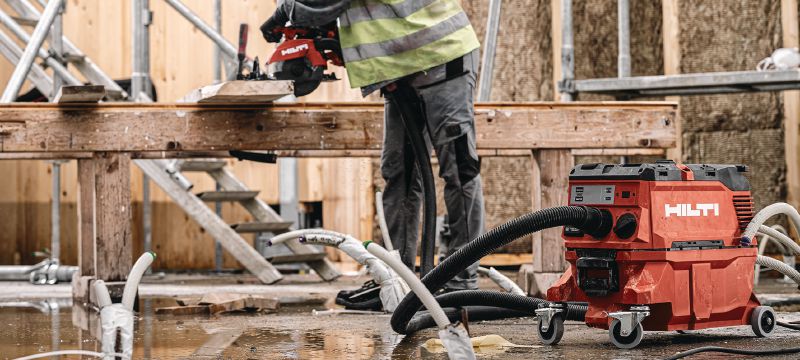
243,29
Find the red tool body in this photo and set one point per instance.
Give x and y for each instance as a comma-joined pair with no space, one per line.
676,248
303,57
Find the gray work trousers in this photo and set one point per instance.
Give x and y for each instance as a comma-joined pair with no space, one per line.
450,129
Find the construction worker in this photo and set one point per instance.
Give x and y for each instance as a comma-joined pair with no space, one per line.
429,47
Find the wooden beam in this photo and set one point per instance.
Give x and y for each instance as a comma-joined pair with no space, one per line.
86,210
555,29
184,127
670,35
241,92
618,152
791,108
551,168
104,216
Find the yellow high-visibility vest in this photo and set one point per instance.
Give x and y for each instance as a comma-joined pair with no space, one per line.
388,39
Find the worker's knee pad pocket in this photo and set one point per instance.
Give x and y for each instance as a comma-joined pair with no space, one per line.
469,165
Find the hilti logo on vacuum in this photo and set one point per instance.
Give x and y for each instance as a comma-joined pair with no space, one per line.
691,210
295,49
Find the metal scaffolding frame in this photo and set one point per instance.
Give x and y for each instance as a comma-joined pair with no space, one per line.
626,86
62,53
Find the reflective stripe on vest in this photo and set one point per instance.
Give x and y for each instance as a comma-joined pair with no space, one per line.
376,9
388,39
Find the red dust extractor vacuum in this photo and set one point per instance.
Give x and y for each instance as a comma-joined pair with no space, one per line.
675,260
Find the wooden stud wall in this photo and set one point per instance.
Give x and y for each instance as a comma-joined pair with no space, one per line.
181,60
791,108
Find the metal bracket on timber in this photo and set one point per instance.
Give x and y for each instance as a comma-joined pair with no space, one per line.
194,127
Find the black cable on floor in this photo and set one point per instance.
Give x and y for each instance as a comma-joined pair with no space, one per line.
719,349
788,325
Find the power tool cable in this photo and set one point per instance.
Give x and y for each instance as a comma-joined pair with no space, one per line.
406,101
720,349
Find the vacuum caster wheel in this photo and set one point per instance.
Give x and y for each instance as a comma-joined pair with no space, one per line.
625,342
554,332
762,320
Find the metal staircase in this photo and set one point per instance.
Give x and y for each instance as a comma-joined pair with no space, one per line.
266,220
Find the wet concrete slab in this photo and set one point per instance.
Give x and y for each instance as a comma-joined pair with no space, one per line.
31,326
296,334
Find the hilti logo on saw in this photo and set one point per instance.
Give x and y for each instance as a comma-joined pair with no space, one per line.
689,210
295,49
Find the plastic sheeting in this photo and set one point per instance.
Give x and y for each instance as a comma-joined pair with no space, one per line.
457,342
116,318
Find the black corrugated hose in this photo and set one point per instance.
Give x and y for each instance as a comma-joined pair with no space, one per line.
590,220
408,104
503,305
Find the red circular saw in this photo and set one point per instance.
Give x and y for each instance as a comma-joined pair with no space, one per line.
303,57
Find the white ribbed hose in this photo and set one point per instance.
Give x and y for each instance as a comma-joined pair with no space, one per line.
779,266
501,280
294,234
393,289
387,240
413,282
775,233
768,212
101,293
134,277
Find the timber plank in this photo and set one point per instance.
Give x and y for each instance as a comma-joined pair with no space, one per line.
113,237
240,91
549,174
80,94
184,127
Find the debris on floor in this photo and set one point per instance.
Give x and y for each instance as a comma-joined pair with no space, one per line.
216,303
486,344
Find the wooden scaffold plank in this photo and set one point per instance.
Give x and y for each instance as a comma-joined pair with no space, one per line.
183,127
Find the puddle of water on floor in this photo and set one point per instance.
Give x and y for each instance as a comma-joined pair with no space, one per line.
32,327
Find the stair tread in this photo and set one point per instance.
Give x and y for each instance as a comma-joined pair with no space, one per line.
227,195
251,227
297,258
203,165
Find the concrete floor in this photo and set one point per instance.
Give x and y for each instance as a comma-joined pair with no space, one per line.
294,333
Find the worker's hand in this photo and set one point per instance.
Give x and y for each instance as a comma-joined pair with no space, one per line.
275,21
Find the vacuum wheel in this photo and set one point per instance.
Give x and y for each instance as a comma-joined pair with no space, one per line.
625,342
554,332
762,320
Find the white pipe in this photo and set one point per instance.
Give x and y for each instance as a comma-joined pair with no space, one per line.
768,212
70,352
294,234
501,280
101,293
762,244
134,277
315,312
393,289
779,267
781,237
387,240
413,282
